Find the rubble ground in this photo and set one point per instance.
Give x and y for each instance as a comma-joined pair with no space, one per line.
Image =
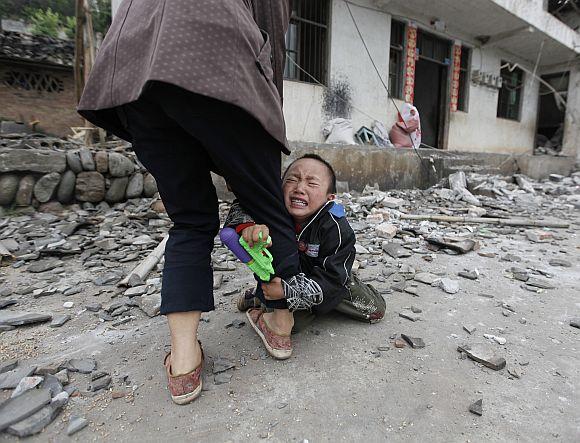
480,341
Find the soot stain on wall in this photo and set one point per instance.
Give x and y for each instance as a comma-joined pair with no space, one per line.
337,99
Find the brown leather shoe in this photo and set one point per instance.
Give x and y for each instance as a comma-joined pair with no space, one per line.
278,346
187,387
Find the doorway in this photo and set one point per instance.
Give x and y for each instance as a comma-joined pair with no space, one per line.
431,84
551,113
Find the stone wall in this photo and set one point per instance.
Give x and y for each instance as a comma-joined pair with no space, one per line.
33,177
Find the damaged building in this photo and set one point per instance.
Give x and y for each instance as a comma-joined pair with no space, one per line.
37,82
488,76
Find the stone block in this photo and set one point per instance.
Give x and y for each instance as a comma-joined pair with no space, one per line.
102,161
8,188
46,186
135,186
119,165
73,160
116,192
32,160
25,189
90,187
87,159
66,188
149,186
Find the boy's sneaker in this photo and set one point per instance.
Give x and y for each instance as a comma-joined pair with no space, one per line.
302,293
247,300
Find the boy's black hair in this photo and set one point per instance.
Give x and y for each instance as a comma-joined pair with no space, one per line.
332,185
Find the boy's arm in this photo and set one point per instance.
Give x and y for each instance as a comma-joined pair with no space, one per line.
336,256
237,218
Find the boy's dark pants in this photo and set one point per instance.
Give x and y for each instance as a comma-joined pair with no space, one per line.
180,137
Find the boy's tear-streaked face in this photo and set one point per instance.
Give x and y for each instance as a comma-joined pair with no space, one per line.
305,188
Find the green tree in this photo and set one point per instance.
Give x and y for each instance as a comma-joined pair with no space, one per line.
70,25
45,22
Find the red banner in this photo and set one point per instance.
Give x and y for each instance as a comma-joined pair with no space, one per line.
410,53
455,77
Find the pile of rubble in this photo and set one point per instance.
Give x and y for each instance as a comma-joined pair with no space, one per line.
101,265
36,48
42,172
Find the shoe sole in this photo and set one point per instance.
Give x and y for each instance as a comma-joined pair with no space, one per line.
278,354
189,397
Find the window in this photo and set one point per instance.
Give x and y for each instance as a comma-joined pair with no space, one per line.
567,11
396,59
33,81
307,41
463,79
510,94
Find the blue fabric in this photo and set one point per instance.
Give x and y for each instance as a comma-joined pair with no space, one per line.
337,210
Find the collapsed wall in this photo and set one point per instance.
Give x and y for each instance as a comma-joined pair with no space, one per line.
33,175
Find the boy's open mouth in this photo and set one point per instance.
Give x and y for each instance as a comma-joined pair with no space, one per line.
298,202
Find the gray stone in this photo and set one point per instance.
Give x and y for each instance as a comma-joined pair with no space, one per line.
469,329
470,275
8,126
149,186
100,383
116,192
136,291
32,160
87,159
66,188
135,186
62,377
75,424
25,190
409,315
25,384
8,188
539,283
222,378
90,187
222,364
10,379
93,307
102,161
6,303
119,165
395,250
150,304
46,186
483,354
36,422
448,285
477,407
560,262
8,365
53,384
426,278
45,265
414,342
73,160
108,279
82,365
59,320
575,322
237,323
18,318
16,409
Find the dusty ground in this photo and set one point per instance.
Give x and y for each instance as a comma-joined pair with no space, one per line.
337,385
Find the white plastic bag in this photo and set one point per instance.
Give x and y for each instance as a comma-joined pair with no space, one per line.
339,130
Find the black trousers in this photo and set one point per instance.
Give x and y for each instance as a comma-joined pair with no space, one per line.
180,137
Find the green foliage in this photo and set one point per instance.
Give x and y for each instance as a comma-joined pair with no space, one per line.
45,22
70,24
101,10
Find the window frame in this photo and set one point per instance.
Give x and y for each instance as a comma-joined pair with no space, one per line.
323,46
519,88
399,48
465,74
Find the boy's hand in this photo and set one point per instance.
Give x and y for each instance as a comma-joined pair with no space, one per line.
273,289
251,234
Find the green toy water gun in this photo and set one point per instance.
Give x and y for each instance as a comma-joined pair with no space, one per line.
257,258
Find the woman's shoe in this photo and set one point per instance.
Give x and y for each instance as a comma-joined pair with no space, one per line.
187,387
278,346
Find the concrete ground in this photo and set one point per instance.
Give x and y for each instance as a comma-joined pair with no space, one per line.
338,386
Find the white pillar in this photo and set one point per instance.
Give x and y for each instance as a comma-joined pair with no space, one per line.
114,6
571,142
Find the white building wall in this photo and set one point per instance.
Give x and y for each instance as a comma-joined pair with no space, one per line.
571,142
479,129
348,62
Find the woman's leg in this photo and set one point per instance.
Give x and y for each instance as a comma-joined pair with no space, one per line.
182,171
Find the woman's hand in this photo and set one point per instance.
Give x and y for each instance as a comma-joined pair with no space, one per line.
252,234
273,290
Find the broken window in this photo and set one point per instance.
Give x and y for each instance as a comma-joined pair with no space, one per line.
463,79
396,59
307,41
33,81
510,94
567,11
